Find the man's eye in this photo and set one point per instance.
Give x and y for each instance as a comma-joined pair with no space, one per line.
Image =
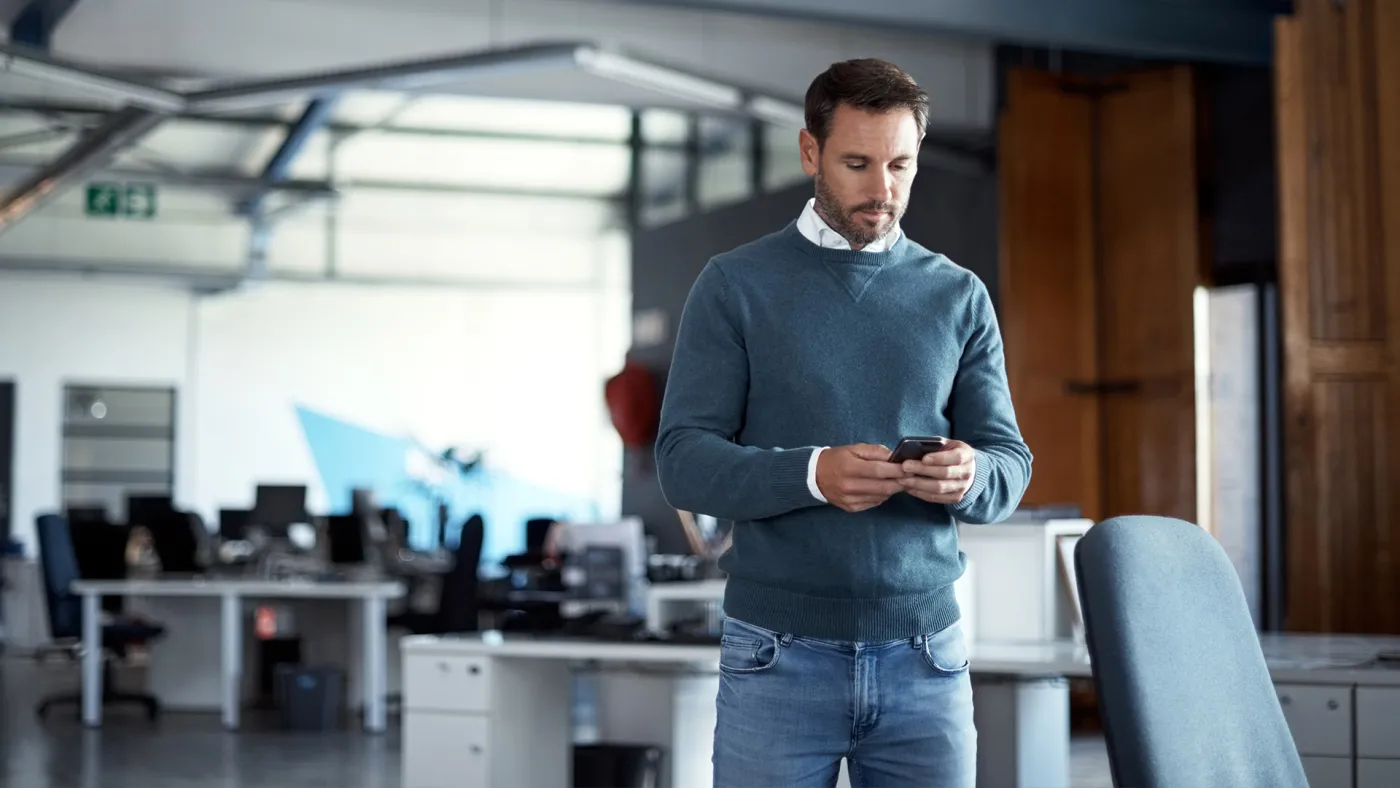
856,166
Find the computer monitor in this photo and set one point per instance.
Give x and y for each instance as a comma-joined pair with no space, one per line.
346,533
280,505
175,542
146,509
233,524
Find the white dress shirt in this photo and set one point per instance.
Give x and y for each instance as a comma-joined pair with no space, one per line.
815,229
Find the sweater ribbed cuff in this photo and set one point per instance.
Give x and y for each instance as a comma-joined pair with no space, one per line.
979,483
790,477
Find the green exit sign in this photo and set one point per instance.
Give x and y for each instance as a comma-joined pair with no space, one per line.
129,200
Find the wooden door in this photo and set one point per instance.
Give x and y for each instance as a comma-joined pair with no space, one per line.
1047,286
1338,99
1101,255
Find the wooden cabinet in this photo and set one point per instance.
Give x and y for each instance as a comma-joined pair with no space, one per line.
1337,73
1100,260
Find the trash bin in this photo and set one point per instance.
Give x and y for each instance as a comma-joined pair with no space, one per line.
617,766
309,698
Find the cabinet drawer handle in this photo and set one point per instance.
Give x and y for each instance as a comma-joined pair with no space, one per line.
1333,704
476,749
444,667
474,669
1285,700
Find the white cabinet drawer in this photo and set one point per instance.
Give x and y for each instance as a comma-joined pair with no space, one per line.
1325,772
447,683
1377,773
1378,723
1319,716
445,750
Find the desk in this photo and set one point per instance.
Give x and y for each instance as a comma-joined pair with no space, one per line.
487,710
231,592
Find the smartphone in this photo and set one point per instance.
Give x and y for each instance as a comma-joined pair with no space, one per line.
914,448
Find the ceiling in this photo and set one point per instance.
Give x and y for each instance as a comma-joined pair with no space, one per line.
1195,30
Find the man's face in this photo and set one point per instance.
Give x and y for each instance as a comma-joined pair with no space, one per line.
863,171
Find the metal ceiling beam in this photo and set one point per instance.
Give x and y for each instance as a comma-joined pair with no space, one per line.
35,23
316,115
1237,32
404,75
118,90
90,152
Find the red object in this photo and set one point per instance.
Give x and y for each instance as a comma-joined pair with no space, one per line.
634,403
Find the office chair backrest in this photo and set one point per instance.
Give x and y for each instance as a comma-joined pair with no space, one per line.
537,533
1183,687
59,567
458,606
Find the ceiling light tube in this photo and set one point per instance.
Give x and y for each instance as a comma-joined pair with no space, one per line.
780,113
672,82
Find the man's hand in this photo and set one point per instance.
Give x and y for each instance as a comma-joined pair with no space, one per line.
859,477
941,477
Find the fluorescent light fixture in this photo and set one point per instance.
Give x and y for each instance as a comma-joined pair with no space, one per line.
405,76
674,83
779,113
110,87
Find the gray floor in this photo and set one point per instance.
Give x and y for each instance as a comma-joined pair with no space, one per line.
193,751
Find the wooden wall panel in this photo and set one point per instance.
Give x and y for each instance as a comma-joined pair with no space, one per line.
1047,284
1149,269
1337,76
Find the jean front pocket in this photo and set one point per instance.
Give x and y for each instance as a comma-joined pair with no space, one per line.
946,651
747,650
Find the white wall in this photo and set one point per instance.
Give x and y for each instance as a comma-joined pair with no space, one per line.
54,332
506,370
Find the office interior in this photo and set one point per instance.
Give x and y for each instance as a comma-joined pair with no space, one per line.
330,329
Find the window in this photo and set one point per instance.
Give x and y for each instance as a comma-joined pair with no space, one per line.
117,441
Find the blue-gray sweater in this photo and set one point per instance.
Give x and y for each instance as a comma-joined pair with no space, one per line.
785,346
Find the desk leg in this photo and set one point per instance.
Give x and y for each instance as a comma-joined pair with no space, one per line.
1022,731
231,643
375,634
92,660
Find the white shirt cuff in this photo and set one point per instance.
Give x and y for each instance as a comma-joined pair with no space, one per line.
812,475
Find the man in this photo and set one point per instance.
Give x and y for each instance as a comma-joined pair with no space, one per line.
798,357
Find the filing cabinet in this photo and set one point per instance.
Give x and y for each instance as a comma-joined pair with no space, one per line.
452,702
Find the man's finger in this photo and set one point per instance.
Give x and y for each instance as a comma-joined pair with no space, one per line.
914,467
871,451
886,487
880,469
957,456
933,486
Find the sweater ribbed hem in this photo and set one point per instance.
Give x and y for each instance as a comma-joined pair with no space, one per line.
834,618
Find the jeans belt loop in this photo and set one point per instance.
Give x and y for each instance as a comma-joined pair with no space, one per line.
785,640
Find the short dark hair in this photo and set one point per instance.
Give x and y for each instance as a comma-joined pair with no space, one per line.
868,84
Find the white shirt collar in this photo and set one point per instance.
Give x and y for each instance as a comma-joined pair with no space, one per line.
816,230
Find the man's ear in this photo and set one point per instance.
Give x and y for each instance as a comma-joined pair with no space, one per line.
811,152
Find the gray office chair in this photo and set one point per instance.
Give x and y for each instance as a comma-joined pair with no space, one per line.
1184,691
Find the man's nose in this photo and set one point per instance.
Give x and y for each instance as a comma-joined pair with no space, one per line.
882,187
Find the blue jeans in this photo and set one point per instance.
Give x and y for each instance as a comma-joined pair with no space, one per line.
790,708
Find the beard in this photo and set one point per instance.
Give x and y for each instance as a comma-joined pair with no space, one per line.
856,230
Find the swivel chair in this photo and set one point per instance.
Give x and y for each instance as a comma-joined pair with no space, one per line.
1185,694
58,566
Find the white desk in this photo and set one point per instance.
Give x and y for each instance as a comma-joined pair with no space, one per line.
486,711
231,592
